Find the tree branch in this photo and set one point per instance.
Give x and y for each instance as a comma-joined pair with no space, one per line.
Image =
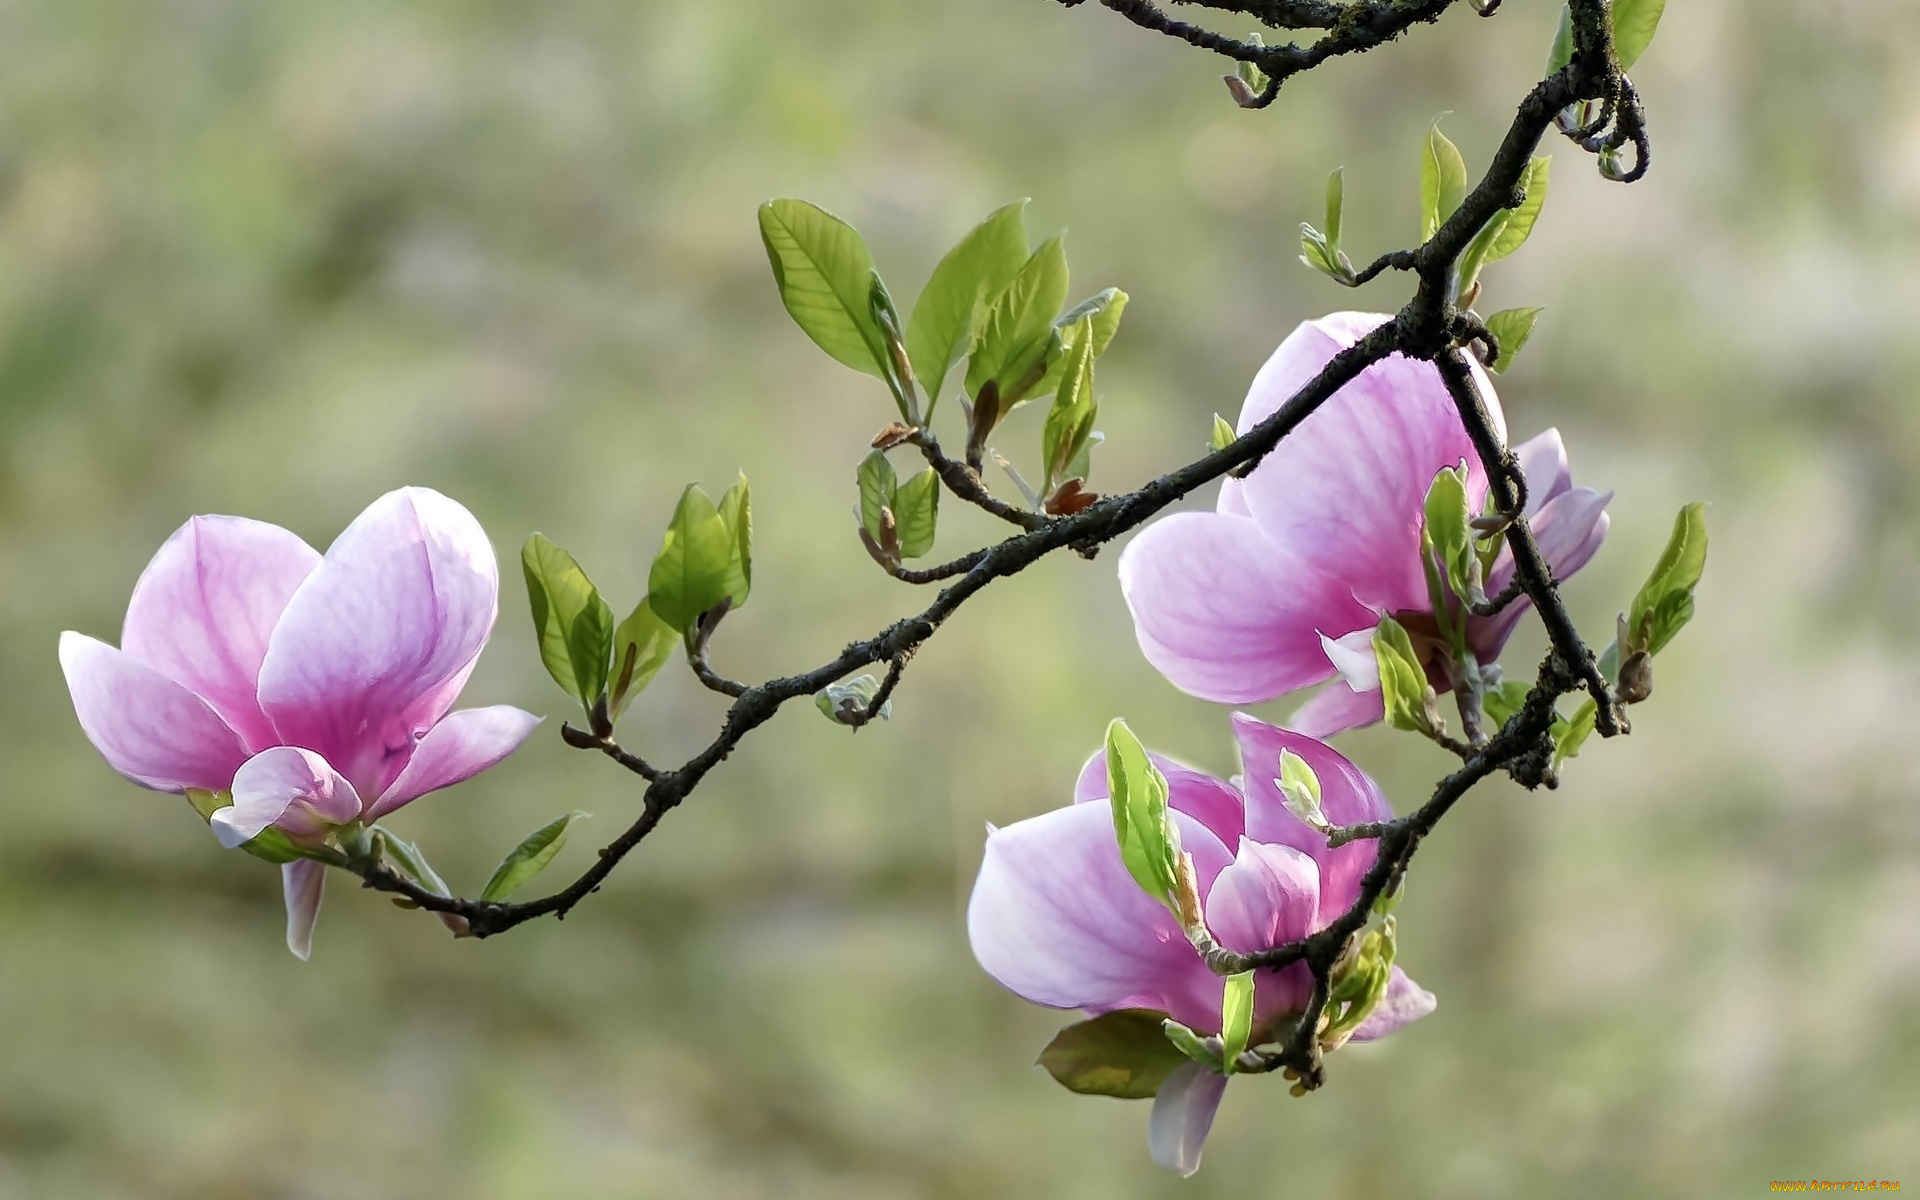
1424,329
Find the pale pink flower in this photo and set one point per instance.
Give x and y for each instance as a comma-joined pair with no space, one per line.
1280,587
1057,919
315,689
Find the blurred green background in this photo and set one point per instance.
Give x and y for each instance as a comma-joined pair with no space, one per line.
275,257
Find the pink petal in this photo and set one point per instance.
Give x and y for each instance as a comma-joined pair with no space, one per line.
1347,797
1268,896
1056,918
1227,615
206,605
1543,460
1233,501
1404,1003
1344,493
458,748
1183,1114
1213,802
1337,708
303,882
149,728
1569,530
375,642
294,789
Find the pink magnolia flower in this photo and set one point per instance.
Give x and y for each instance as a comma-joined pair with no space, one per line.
315,689
1281,586
1057,919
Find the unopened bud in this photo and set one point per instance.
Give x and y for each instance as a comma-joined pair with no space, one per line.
1069,498
1242,93
1636,677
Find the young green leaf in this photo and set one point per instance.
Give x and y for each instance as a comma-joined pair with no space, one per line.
736,513
1236,1018
1191,1045
1016,332
1664,603
1149,841
1300,789
1336,201
1315,252
1404,691
642,644
1574,734
1123,1054
1223,434
1511,327
694,570
1634,24
573,623
825,275
528,859
916,512
1520,221
1443,181
1070,420
1102,310
1450,534
878,483
1562,52
407,857
972,274
840,702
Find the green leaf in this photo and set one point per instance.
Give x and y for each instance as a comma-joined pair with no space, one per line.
839,701
1574,735
1191,1045
878,483
1149,843
825,275
1507,230
1336,201
574,624
1103,310
1236,1018
1443,181
406,856
1315,252
1500,704
1300,789
1016,332
1450,534
528,859
694,570
916,512
1223,435
1562,52
1518,226
736,513
642,644
1123,1054
1404,690
973,273
1070,421
1511,327
1634,24
273,845
1665,602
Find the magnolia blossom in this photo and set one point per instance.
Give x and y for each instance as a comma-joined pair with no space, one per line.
1056,918
1281,586
314,689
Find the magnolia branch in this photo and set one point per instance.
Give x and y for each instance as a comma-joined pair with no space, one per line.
1428,328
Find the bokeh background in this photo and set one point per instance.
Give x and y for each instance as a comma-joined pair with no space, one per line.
275,257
